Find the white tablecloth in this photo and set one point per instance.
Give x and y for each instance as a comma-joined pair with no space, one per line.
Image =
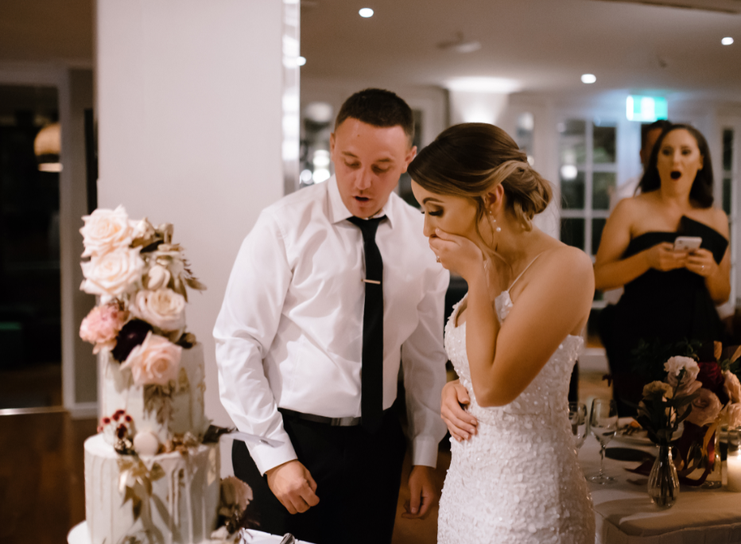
625,514
80,535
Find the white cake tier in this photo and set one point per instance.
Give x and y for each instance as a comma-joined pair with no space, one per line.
186,412
182,507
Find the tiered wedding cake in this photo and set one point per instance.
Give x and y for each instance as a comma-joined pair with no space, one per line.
152,471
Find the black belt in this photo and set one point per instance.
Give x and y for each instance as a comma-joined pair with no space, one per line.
332,421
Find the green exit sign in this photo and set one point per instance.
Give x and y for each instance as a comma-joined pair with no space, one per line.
646,108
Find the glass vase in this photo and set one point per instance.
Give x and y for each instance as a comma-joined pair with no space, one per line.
714,479
663,482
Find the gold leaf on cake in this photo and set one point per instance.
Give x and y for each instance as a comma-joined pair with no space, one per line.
183,381
158,399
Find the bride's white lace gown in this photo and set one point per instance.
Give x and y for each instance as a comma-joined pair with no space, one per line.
517,480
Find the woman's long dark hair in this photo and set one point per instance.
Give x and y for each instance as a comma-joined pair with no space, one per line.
702,186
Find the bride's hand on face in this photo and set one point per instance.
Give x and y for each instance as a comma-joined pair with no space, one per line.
457,253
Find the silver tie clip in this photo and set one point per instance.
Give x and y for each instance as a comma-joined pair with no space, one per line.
376,282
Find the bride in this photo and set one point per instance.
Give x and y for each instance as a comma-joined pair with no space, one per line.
513,340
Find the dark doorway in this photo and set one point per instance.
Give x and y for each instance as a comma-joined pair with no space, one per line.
30,299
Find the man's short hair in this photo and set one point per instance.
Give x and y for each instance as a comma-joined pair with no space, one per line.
662,124
379,108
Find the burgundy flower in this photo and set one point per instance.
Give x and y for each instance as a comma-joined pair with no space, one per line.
106,420
132,334
121,431
128,419
711,377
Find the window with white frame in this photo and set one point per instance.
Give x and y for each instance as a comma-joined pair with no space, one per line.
588,172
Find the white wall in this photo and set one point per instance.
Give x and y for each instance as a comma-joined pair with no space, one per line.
189,125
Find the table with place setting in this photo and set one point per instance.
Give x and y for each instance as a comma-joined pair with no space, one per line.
625,514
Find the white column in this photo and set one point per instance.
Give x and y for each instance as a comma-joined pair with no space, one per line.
190,113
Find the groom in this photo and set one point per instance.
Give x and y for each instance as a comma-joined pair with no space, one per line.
332,291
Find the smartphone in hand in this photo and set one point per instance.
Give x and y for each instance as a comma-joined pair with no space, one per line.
687,243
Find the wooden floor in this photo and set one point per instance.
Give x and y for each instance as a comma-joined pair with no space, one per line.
42,482
41,476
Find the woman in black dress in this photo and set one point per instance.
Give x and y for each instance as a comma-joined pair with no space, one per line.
669,295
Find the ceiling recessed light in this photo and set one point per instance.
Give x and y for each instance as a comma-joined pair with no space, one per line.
301,61
727,41
588,78
366,12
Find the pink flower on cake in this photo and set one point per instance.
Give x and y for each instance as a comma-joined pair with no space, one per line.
113,274
106,230
163,308
705,408
154,362
101,326
732,386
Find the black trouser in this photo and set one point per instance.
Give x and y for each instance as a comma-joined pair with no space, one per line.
357,475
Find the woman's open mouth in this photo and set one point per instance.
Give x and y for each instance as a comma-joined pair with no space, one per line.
676,174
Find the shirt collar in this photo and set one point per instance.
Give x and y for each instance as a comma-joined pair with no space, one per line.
339,212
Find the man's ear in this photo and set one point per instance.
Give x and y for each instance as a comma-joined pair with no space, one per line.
331,143
409,157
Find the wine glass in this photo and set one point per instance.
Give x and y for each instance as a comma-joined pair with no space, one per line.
603,422
578,420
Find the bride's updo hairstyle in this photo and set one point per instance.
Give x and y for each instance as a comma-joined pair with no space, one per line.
471,159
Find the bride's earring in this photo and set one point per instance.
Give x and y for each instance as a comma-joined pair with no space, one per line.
494,222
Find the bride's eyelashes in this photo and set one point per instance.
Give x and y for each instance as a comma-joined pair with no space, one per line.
433,213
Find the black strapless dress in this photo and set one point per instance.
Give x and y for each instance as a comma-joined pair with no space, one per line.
664,306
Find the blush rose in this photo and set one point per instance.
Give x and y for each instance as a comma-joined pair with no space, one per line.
154,362
705,408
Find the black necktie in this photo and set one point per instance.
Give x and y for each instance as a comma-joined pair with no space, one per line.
371,401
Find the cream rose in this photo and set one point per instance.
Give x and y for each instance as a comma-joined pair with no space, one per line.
675,365
105,231
705,408
112,274
154,362
658,389
733,413
732,386
163,308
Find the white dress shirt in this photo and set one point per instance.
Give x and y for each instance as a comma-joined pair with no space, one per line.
290,330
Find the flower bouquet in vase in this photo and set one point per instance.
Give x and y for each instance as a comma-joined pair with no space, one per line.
716,404
665,405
